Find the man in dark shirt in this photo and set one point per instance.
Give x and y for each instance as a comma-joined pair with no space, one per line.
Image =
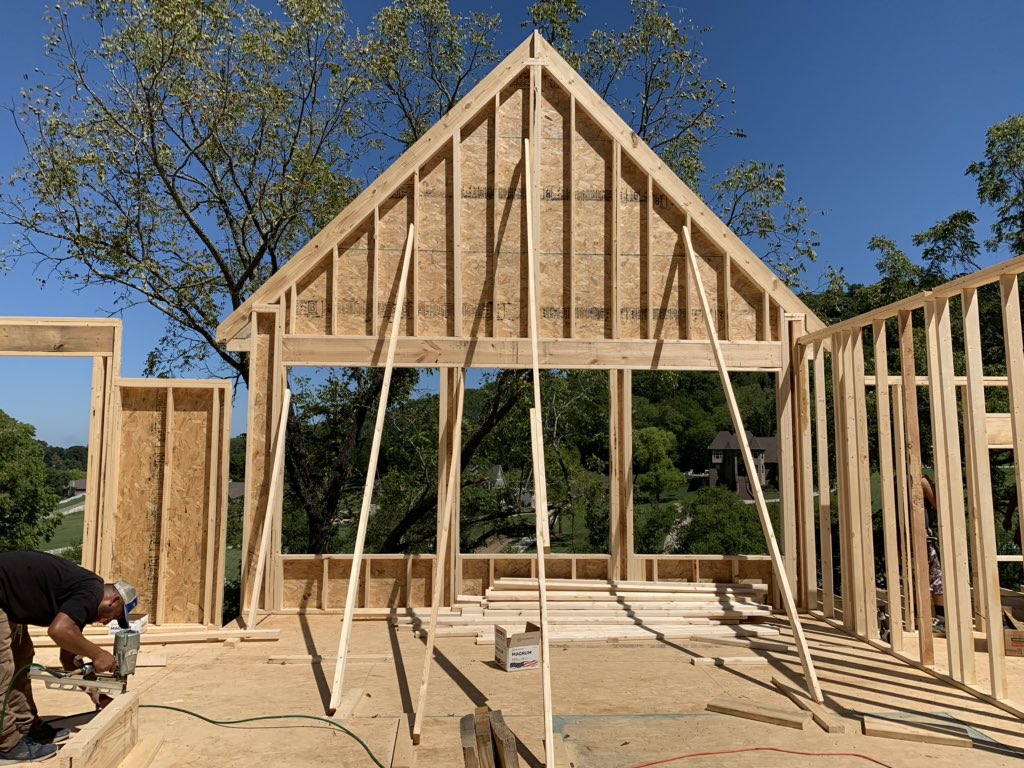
48,591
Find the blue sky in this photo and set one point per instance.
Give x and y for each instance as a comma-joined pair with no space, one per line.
874,108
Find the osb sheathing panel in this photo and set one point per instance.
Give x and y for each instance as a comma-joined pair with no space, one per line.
712,267
421,588
557,569
592,268
511,301
301,583
592,569
476,162
136,537
164,551
386,588
632,231
668,291
395,215
187,527
312,302
676,570
508,567
592,178
354,283
259,441
337,583
554,177
475,575
435,296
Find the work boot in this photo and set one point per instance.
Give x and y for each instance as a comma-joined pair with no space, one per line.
45,733
28,750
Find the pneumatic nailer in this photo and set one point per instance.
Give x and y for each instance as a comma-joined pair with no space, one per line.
85,677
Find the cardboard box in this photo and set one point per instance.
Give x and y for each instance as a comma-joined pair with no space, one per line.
1013,639
518,651
139,625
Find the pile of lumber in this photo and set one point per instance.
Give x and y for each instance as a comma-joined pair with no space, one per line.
486,741
580,609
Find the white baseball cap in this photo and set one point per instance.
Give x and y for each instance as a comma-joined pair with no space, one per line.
130,598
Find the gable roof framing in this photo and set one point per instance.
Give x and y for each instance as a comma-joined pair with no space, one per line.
611,259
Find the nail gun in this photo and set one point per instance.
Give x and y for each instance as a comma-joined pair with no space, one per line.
85,677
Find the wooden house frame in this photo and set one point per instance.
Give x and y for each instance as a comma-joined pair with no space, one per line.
615,292
887,433
151,512
79,337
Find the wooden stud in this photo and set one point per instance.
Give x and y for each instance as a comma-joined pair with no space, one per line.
467,735
457,232
357,551
808,560
903,507
268,520
991,608
106,739
824,483
725,332
166,473
862,511
571,224
912,444
615,254
952,525
887,481
748,459
787,459
213,461
1013,340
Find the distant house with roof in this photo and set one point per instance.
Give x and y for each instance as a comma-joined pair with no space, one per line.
727,467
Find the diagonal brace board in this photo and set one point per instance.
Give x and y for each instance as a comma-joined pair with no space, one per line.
272,506
371,472
540,495
778,567
440,561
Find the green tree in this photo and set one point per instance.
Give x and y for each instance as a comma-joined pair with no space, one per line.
1000,178
715,521
183,155
27,505
653,448
416,61
655,74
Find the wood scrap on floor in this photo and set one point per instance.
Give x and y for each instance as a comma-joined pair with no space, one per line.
829,721
504,741
925,733
484,741
402,755
729,661
143,753
487,742
106,739
787,718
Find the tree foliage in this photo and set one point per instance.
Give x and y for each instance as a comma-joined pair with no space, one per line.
182,155
27,505
1000,178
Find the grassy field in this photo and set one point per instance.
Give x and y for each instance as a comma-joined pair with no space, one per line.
69,532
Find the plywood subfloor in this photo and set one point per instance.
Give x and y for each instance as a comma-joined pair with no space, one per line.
615,706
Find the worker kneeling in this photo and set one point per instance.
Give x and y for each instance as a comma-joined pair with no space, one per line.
48,591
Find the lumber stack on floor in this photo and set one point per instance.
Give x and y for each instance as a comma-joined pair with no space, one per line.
487,741
581,609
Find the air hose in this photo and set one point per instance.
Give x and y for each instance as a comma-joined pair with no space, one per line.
222,723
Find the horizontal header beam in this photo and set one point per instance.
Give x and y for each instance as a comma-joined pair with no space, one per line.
57,337
602,354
